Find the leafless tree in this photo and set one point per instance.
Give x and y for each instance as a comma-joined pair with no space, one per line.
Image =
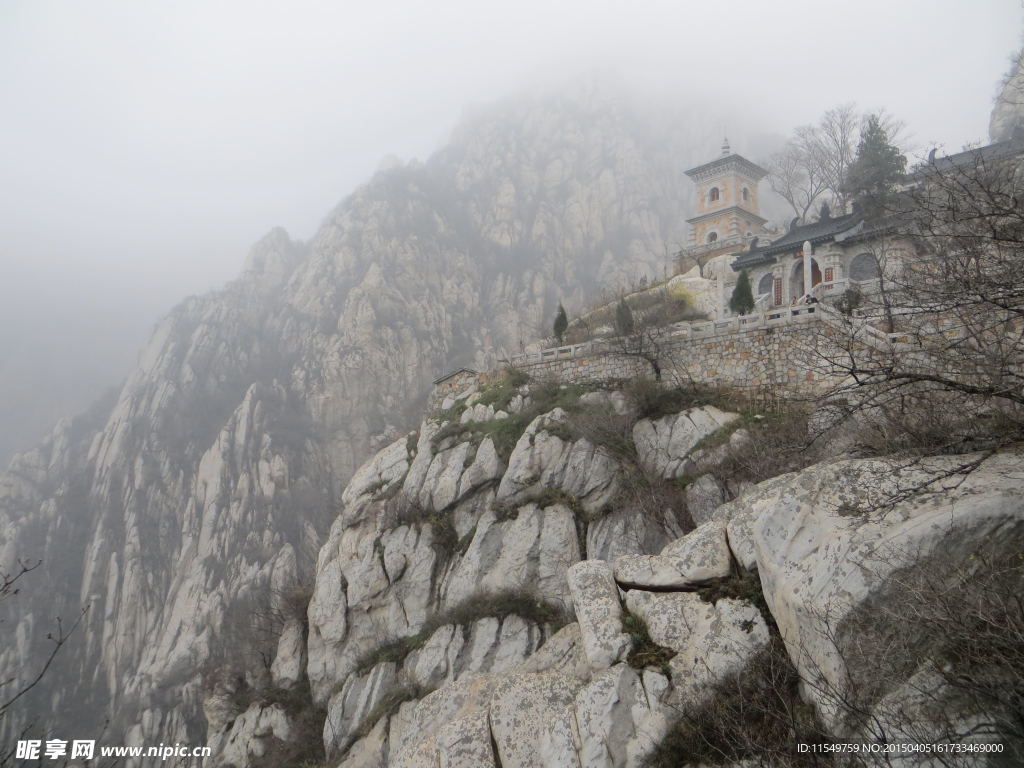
646,343
811,168
942,346
794,175
934,656
11,692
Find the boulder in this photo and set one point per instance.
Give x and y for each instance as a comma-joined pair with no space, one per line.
542,460
251,735
348,708
497,645
824,540
618,719
290,659
379,473
560,744
703,496
440,487
664,444
220,708
648,572
477,412
486,467
370,751
522,709
562,653
434,663
626,530
466,743
711,641
695,559
530,552
703,554
599,613
425,735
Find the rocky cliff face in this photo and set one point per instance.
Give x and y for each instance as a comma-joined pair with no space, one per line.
544,576
202,494
1008,112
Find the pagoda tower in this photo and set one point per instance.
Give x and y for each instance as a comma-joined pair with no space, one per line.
727,215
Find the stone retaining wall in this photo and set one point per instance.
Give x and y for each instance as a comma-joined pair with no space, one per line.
762,362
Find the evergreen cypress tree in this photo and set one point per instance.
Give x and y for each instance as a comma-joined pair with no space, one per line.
561,323
742,301
624,319
879,165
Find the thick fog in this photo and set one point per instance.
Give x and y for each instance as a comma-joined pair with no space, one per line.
145,146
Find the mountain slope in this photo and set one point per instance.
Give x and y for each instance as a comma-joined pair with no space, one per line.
205,492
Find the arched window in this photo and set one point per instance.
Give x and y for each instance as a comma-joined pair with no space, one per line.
713,195
864,267
712,236
746,194
764,285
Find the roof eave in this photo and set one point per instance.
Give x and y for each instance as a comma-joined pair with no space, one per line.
723,211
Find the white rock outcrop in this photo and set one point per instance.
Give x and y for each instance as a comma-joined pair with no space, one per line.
486,690
541,460
289,665
824,540
712,641
698,557
1008,111
595,599
664,445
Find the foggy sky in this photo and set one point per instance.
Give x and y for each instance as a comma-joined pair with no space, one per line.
145,145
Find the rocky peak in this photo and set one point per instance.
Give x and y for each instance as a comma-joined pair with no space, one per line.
1008,111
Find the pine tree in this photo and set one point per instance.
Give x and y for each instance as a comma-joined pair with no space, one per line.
561,323
879,165
742,301
624,319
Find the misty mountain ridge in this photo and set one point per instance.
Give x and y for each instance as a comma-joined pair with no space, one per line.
207,485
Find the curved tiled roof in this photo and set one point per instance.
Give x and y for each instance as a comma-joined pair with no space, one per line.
816,232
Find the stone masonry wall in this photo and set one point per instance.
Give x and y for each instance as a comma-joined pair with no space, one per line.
775,362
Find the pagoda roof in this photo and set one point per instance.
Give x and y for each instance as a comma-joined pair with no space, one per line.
731,161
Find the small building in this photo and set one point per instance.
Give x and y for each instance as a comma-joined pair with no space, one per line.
452,383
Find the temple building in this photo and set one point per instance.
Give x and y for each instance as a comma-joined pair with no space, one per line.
813,260
728,232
